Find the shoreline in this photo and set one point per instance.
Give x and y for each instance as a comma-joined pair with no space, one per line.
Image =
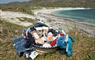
64,23
50,10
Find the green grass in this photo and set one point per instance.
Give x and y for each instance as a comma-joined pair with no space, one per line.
84,46
17,8
7,33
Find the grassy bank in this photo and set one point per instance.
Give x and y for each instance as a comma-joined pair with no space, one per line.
84,46
24,8
7,32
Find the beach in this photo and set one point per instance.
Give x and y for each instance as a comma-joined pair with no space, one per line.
47,15
64,23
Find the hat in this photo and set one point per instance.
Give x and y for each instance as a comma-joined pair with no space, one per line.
41,28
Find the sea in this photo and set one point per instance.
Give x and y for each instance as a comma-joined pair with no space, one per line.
10,1
86,16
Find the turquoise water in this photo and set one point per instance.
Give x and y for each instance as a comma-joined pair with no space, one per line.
83,15
8,1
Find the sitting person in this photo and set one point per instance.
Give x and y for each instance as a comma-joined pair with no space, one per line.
38,40
28,37
41,32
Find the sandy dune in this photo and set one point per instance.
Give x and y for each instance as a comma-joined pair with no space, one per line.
12,17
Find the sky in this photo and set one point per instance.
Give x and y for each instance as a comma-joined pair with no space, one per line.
7,1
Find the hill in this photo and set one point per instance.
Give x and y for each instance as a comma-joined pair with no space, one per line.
36,4
65,3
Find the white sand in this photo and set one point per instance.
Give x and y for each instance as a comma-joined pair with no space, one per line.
49,10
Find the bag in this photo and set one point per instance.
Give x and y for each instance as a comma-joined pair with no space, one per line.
69,48
61,42
53,43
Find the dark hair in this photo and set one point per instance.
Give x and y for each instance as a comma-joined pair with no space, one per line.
40,25
32,29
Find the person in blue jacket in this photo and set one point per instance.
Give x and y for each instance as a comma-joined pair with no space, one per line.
65,42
